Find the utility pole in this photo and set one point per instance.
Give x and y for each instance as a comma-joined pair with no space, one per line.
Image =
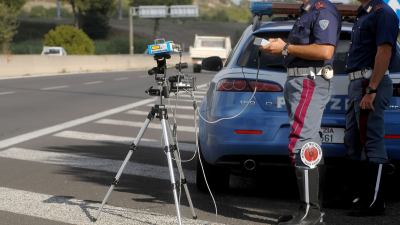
132,12
58,9
120,10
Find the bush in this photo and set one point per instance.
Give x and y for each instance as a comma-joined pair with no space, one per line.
74,41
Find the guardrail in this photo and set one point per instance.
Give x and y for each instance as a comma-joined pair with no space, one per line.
25,65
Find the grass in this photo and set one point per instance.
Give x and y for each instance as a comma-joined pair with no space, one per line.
27,47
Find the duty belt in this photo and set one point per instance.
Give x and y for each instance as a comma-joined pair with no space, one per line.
366,74
304,71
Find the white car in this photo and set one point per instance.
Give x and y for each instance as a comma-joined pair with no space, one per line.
207,46
53,51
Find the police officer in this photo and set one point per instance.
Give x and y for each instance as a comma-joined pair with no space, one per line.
308,56
373,45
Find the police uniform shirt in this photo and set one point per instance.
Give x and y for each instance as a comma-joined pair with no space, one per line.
319,23
376,24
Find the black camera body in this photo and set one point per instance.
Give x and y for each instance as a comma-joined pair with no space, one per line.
174,83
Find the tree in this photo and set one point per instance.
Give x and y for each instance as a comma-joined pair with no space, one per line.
9,10
75,10
93,16
137,3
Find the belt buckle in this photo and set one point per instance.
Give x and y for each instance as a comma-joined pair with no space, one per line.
327,72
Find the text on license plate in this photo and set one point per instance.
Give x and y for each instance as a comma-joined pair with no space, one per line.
332,135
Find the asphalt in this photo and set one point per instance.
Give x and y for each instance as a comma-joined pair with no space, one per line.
64,137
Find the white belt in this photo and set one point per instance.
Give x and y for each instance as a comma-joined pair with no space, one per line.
366,74
304,71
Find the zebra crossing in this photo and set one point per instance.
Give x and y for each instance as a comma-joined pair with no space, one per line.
97,129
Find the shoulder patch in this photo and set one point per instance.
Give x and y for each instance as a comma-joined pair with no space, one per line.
319,5
323,24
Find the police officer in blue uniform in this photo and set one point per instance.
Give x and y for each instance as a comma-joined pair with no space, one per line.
309,54
373,45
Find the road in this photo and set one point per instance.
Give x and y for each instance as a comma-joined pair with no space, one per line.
62,139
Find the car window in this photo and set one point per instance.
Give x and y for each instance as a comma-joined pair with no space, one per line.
213,43
249,55
233,52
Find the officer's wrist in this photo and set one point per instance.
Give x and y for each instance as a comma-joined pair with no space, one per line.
373,86
285,50
370,90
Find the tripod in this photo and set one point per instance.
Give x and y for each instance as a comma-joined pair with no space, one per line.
159,111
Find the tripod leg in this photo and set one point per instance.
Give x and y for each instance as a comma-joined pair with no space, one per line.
181,173
170,166
121,169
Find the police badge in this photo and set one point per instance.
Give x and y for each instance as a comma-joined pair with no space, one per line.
311,154
323,24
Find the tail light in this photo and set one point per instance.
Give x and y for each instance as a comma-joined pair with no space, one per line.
243,85
396,90
392,136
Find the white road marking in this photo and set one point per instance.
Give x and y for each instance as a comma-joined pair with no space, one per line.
93,82
79,212
100,137
121,78
198,97
200,92
54,88
184,100
45,131
144,113
85,162
177,107
7,93
155,125
152,143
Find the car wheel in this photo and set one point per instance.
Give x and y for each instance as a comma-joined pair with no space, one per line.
196,69
217,177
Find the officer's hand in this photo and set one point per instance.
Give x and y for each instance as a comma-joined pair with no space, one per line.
367,102
275,46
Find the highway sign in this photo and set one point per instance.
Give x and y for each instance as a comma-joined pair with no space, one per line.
184,11
156,11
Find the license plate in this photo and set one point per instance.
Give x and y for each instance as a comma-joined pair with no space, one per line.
332,135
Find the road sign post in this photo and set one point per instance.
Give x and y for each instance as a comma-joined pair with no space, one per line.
132,12
157,12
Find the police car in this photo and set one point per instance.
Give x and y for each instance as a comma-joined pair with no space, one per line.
240,132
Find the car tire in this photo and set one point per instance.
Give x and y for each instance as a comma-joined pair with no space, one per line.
196,69
217,177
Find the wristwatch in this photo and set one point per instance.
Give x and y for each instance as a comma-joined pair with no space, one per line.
370,90
285,51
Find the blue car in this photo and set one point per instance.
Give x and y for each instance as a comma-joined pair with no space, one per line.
258,137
